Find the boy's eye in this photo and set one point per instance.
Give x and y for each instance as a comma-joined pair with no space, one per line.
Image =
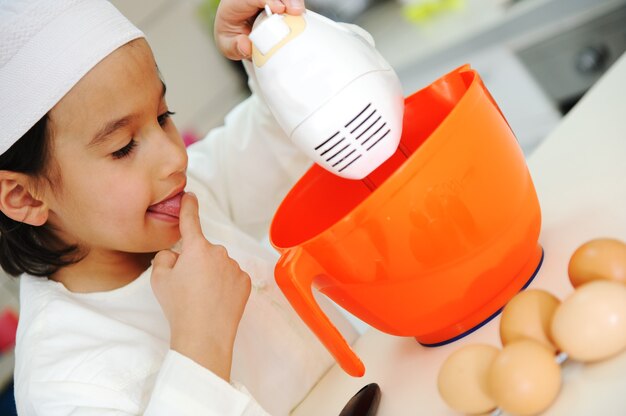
124,151
164,117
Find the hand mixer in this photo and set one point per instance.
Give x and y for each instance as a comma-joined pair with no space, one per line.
329,89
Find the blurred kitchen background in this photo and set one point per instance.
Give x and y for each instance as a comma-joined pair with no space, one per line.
537,57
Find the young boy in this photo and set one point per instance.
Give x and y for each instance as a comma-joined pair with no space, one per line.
94,181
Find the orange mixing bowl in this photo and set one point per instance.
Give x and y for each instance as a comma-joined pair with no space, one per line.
432,243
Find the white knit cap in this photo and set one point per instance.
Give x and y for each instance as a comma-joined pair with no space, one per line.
46,47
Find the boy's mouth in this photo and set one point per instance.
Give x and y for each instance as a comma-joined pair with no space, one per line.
169,207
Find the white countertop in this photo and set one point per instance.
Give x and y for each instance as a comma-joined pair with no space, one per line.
580,175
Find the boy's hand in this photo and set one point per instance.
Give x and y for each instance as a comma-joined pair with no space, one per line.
202,292
234,19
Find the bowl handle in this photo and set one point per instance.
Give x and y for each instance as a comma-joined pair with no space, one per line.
294,274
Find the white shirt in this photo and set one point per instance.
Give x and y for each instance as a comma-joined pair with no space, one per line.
107,353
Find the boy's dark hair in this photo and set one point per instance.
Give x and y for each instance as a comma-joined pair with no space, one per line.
26,248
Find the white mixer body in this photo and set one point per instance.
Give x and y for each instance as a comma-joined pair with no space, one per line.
333,94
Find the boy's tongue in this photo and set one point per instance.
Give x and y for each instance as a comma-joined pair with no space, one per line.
169,207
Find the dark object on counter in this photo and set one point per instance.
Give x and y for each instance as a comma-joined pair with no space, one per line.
7,401
364,403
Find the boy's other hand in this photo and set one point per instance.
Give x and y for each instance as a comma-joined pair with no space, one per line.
233,23
202,292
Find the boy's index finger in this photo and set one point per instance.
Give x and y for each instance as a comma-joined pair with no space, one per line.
189,221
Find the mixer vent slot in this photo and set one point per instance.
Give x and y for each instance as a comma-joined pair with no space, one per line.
327,140
364,130
368,127
338,151
379,138
350,162
358,115
332,147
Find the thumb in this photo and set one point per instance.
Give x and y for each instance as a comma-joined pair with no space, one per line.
294,7
235,46
243,46
189,221
164,259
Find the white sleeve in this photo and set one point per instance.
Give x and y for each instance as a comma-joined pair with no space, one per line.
182,388
248,164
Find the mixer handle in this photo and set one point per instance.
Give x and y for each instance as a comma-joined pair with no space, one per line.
294,274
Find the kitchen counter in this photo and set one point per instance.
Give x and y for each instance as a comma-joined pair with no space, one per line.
580,175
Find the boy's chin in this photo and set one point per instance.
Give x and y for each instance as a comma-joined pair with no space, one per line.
163,242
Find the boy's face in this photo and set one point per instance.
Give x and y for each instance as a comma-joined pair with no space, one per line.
117,154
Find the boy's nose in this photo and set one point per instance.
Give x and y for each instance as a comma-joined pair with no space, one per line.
172,154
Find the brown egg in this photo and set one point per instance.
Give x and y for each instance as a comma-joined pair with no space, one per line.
603,258
524,378
590,324
462,380
528,316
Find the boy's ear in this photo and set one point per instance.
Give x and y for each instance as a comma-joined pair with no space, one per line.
17,200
